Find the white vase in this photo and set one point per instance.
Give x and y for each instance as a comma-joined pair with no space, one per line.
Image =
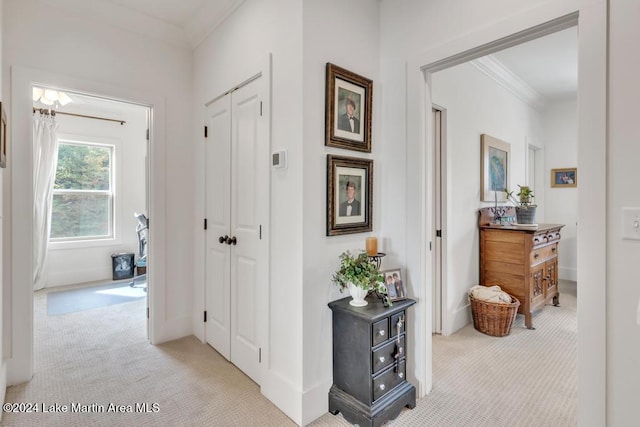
358,294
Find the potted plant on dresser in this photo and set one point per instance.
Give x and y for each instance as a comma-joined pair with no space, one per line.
359,275
523,201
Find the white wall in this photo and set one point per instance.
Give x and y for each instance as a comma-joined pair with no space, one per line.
560,122
69,49
623,292
232,53
71,262
475,104
332,33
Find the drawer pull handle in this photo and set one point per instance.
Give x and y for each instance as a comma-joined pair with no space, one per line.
382,359
536,255
381,332
401,375
382,387
553,249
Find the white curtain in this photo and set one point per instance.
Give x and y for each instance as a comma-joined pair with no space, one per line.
45,158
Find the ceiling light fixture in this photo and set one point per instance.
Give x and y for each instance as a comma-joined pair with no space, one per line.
50,97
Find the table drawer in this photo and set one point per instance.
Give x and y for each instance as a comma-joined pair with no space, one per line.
387,380
386,355
380,332
544,253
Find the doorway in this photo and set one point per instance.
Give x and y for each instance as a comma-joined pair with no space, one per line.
94,252
592,134
236,212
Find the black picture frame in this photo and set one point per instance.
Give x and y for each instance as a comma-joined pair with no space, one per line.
349,176
343,89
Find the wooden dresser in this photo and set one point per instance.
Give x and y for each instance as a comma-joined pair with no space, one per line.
523,261
369,361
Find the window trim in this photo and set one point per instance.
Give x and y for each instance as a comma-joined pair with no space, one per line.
87,241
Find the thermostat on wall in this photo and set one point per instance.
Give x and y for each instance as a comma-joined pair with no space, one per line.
279,159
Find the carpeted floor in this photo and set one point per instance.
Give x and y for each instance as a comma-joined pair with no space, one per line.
101,356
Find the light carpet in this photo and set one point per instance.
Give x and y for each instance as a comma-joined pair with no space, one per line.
102,356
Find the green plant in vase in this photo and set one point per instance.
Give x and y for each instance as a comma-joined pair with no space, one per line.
523,201
359,275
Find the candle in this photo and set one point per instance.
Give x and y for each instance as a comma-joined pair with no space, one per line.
372,246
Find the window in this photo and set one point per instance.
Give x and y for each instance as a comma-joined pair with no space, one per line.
83,192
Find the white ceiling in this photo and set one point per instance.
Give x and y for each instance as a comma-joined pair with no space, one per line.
185,23
549,65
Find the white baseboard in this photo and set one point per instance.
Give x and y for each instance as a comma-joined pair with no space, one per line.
282,393
173,329
65,278
566,273
315,402
457,320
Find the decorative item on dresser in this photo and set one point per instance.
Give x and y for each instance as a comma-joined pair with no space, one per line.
359,275
369,362
522,260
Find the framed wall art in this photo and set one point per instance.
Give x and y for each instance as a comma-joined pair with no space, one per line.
349,195
567,177
495,169
348,102
394,284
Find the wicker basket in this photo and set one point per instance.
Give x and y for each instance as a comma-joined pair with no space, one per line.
491,318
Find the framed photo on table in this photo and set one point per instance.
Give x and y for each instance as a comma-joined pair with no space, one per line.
495,169
396,289
567,177
349,195
348,101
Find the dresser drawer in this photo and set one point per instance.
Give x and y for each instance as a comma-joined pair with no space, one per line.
544,253
380,332
387,380
385,355
393,327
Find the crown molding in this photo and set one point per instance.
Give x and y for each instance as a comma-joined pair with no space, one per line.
209,17
507,79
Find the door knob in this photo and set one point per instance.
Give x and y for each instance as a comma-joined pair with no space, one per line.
232,241
224,239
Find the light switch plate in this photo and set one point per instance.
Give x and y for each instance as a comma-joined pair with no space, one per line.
631,223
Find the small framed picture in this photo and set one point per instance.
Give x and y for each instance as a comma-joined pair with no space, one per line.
349,195
567,177
495,168
394,284
348,102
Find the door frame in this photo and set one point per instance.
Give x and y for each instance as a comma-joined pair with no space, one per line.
261,69
591,16
18,321
440,325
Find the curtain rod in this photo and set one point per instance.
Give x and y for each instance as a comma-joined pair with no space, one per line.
53,113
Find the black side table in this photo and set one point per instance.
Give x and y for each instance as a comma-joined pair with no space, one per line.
369,361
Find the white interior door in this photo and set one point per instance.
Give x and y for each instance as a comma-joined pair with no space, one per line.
218,214
237,151
247,146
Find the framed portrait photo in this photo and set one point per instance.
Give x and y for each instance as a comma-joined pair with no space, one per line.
567,177
495,169
348,102
349,195
394,284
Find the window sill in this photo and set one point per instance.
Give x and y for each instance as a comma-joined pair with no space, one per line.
80,244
